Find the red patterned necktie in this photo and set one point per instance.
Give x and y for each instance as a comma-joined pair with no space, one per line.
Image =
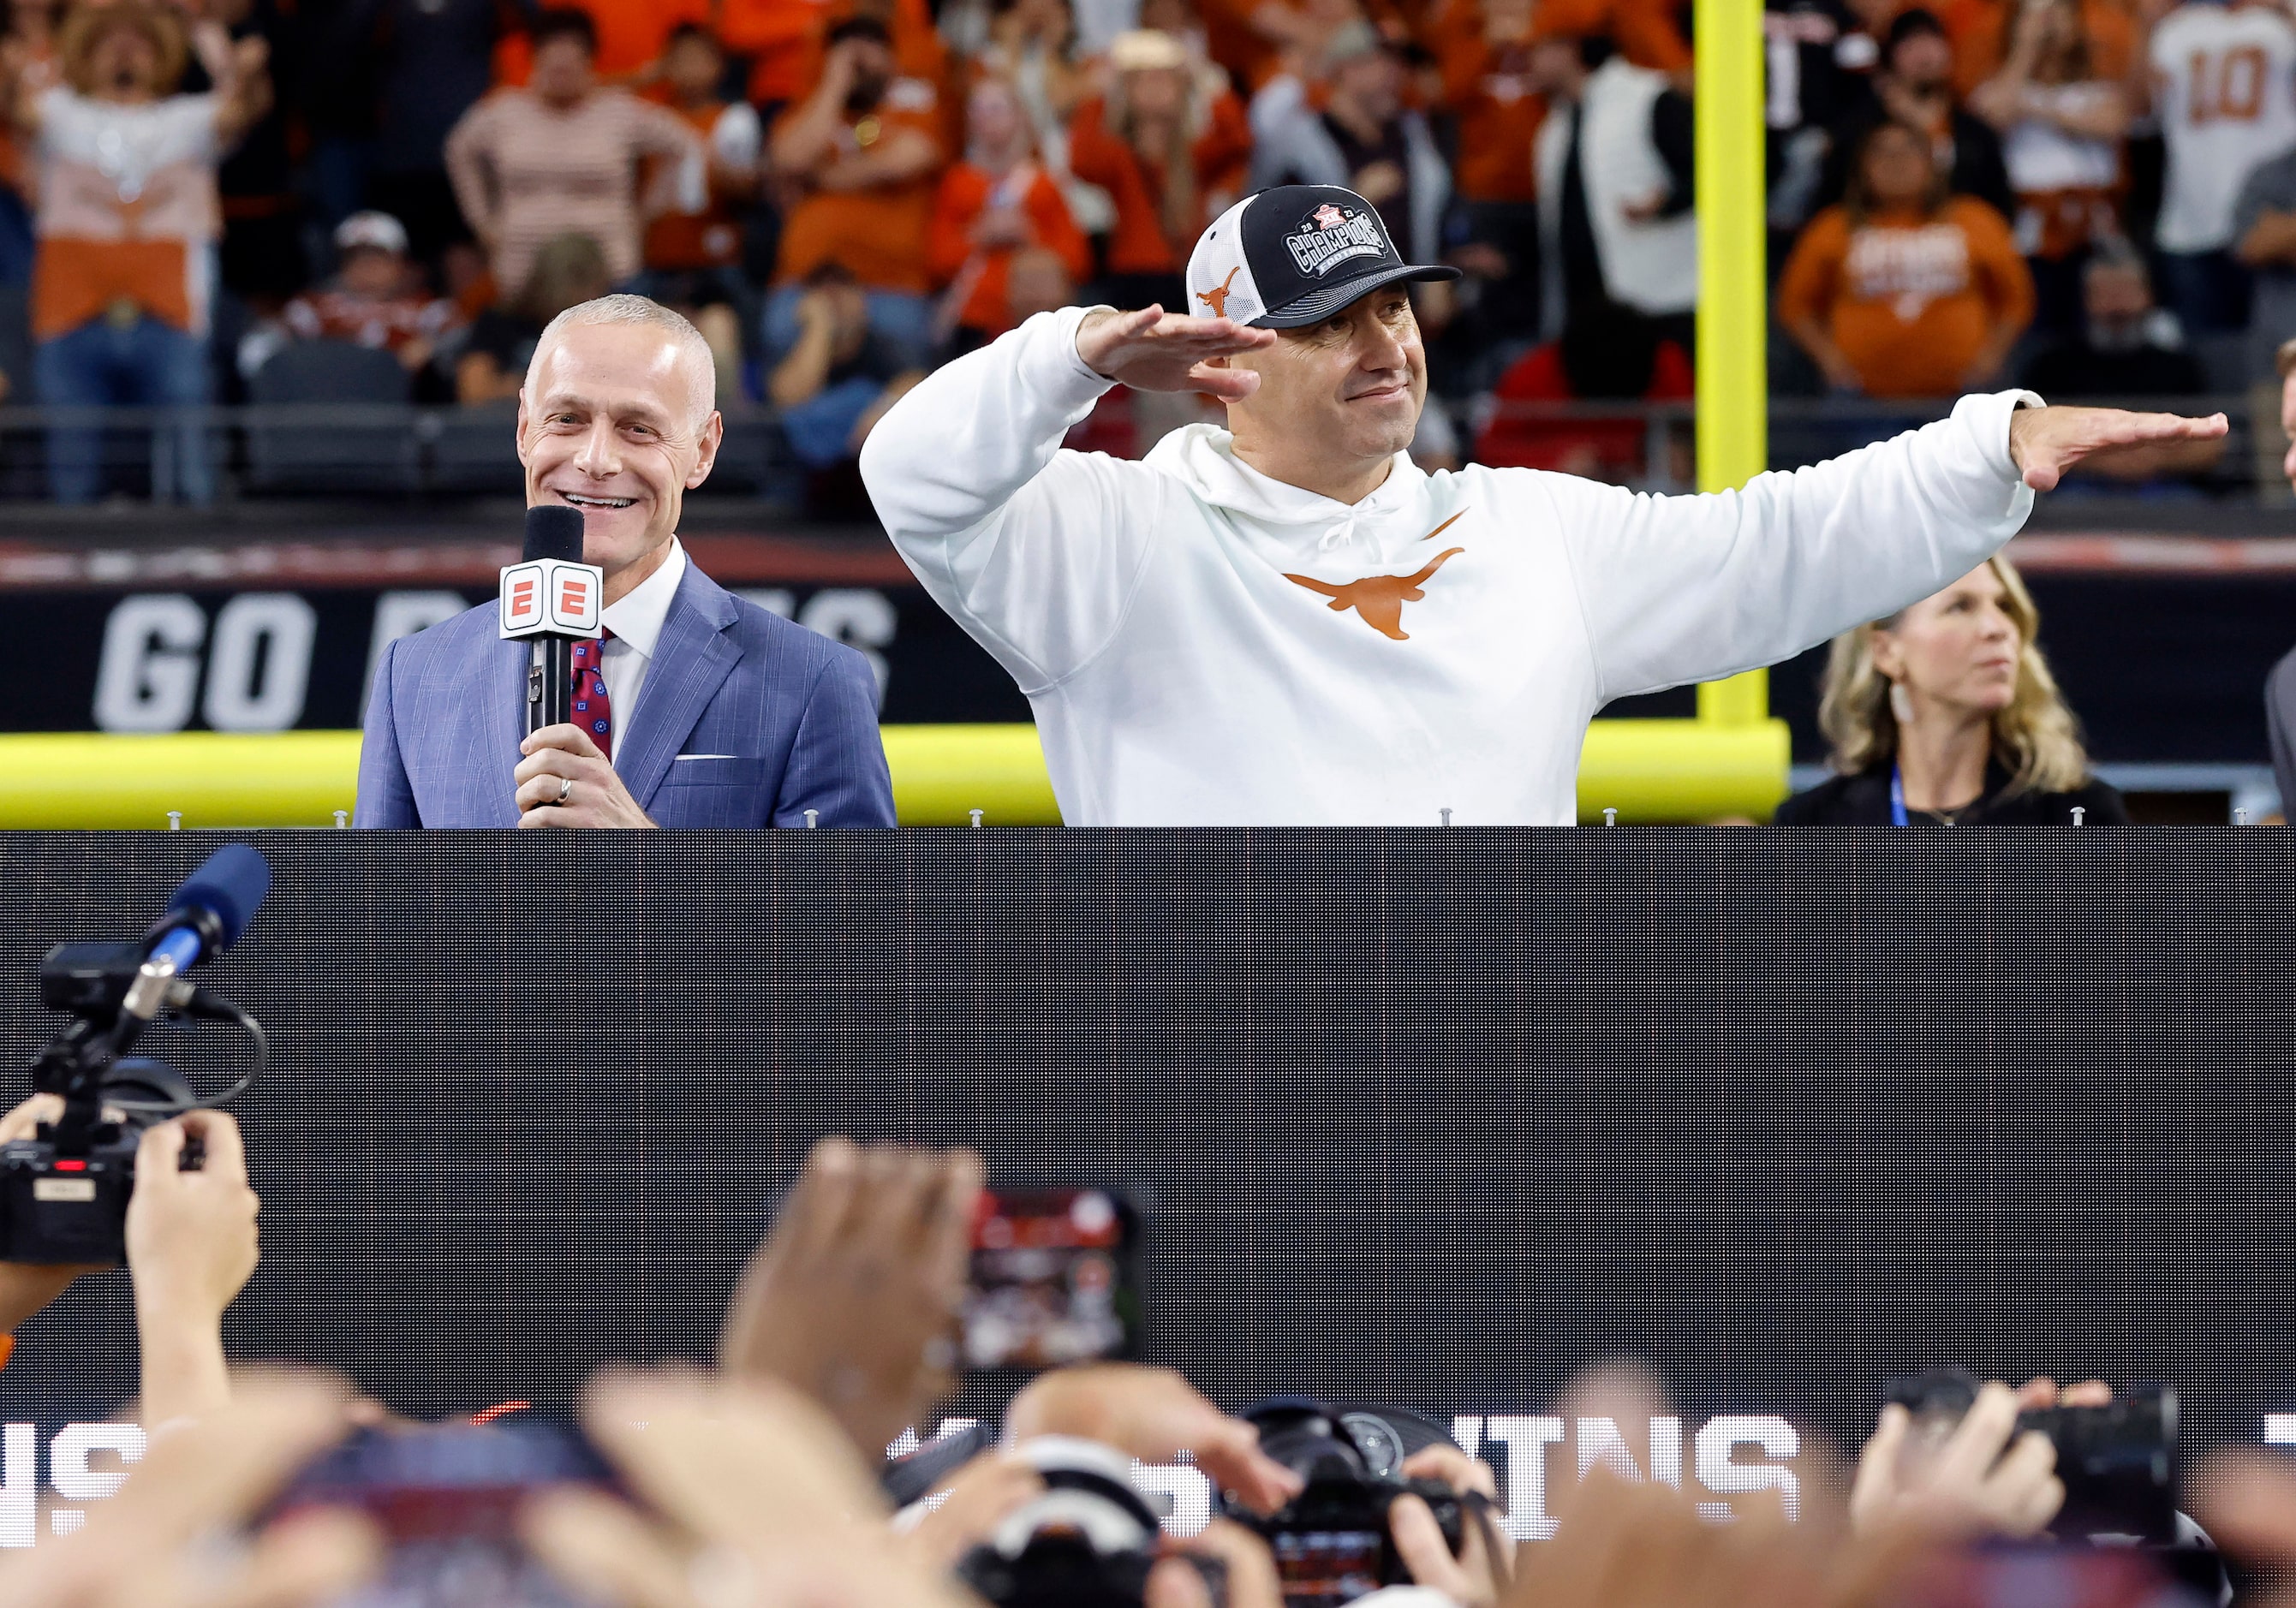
593,712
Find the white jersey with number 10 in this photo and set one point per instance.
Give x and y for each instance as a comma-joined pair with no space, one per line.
2224,82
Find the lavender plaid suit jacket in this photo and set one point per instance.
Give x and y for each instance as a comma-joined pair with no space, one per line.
744,720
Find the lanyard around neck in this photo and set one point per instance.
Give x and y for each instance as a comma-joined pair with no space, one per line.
1897,802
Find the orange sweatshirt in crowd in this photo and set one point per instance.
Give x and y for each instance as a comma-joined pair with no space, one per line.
1498,115
1136,244
1978,31
1646,31
1910,300
965,192
784,38
877,235
1230,40
1252,58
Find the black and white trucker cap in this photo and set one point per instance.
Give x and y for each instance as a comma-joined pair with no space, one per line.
1294,255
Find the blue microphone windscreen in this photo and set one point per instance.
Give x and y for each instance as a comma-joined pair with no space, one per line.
553,530
232,884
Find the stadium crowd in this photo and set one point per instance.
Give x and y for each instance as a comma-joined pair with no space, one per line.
776,1476
2097,197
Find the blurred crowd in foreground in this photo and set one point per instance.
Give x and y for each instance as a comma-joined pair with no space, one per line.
2096,197
766,1480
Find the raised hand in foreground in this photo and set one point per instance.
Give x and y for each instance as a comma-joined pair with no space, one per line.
1962,1483
191,1247
1631,1545
153,1545
853,1298
1478,1577
755,1497
2246,1501
1153,1415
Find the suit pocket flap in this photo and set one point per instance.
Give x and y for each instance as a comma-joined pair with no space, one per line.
716,770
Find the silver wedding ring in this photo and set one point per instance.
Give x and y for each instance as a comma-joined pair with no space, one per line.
565,791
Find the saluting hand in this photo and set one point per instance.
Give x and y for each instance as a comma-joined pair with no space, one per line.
557,755
1155,350
2044,442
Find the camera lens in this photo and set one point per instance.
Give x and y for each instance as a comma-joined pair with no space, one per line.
1376,1440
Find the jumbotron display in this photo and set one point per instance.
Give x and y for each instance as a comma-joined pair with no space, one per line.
1424,1118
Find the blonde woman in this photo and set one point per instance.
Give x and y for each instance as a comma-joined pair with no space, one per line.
1945,714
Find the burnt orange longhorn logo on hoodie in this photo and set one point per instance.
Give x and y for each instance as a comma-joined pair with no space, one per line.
1379,598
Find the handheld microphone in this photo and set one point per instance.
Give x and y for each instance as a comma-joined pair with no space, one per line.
205,918
551,599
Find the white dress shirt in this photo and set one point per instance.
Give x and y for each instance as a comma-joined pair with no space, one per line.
635,619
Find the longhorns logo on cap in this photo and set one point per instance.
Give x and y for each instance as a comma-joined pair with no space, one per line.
1330,235
1217,298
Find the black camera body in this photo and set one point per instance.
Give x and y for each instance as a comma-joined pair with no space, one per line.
1332,1542
63,1195
64,1192
2117,1462
1087,1541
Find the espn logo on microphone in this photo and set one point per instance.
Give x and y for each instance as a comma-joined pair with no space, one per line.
550,596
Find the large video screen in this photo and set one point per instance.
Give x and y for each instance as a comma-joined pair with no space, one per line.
1425,1118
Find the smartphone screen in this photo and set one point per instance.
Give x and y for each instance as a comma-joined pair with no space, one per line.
447,1498
1325,1568
1055,1278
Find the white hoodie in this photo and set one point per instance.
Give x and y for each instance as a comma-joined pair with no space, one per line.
1174,623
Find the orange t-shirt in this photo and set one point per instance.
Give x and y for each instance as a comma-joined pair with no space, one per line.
783,40
1645,31
632,35
877,235
1910,300
1978,31
1498,115
708,239
1136,244
1250,56
965,192
75,282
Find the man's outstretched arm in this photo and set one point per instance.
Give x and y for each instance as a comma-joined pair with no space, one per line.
1681,589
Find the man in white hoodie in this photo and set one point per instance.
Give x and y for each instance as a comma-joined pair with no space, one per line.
1287,623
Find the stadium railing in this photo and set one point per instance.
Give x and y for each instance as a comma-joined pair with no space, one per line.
394,451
